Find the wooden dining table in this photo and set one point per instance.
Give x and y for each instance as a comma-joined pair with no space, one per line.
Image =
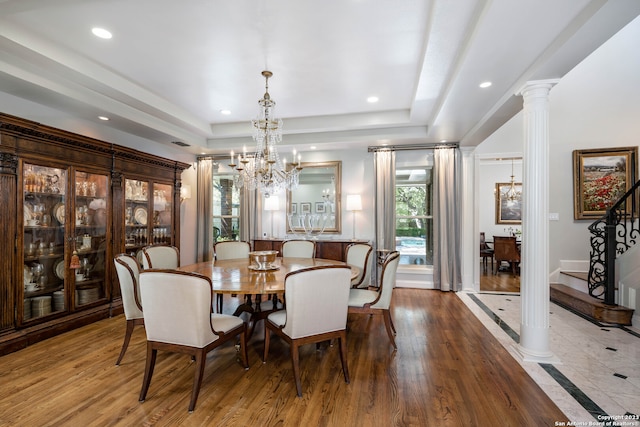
238,276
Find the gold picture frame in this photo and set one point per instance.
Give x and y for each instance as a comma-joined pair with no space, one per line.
601,177
508,211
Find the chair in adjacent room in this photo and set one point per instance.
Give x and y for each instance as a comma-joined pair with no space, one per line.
379,301
485,252
505,249
359,255
299,249
229,249
178,318
128,270
316,311
160,256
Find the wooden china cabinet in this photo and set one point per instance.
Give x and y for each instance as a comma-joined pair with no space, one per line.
64,196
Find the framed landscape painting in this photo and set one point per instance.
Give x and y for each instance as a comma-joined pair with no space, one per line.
601,177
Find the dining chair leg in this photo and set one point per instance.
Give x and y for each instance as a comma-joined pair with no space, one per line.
386,314
201,359
219,301
267,339
148,371
243,344
127,338
295,360
343,355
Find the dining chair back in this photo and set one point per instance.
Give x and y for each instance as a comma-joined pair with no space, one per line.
128,271
299,249
486,252
231,250
160,256
379,302
359,255
505,249
179,319
316,311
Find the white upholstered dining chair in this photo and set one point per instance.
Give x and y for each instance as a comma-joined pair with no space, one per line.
229,249
299,249
128,271
178,318
359,255
379,301
316,311
160,256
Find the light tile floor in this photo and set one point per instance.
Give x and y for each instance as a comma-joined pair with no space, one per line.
598,376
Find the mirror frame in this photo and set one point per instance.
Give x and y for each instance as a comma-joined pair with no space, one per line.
337,228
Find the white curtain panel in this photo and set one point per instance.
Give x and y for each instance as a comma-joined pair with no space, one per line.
384,165
250,216
204,233
446,219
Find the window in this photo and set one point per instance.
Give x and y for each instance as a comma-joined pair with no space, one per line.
226,208
414,215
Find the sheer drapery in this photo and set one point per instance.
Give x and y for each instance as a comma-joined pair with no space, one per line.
385,192
447,275
384,165
249,214
204,226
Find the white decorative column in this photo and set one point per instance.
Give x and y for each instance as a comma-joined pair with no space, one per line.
534,283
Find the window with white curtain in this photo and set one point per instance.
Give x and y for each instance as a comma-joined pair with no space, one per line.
414,215
226,208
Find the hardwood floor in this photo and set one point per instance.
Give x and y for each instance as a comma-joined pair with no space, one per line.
503,281
448,371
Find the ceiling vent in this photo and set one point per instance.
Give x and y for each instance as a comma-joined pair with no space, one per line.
180,143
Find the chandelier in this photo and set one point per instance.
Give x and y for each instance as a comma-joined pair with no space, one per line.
511,194
264,170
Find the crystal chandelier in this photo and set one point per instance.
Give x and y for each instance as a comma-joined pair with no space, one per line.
511,195
264,170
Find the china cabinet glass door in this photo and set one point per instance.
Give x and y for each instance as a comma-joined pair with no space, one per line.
90,234
136,216
44,272
162,214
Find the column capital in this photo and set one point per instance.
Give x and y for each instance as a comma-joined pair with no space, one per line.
537,84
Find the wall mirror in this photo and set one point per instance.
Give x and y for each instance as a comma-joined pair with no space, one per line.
315,204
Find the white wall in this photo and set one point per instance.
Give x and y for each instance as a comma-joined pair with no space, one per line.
596,105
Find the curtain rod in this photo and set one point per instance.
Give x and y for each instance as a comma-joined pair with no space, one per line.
374,148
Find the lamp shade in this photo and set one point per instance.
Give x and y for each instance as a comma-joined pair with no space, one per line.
271,203
354,202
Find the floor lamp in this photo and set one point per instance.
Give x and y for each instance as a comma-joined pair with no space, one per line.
271,204
354,203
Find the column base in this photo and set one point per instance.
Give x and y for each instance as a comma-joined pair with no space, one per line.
528,355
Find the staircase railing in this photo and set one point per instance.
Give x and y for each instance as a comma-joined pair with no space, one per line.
611,235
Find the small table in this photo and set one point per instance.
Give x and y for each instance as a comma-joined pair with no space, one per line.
234,276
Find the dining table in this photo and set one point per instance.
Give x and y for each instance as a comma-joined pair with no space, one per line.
241,277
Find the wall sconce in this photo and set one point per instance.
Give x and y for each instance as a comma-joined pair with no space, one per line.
185,192
354,203
271,203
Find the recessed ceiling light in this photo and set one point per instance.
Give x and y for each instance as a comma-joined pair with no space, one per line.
105,118
313,147
484,85
225,112
372,99
443,140
101,32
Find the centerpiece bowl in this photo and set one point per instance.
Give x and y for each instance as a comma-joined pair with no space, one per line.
263,260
